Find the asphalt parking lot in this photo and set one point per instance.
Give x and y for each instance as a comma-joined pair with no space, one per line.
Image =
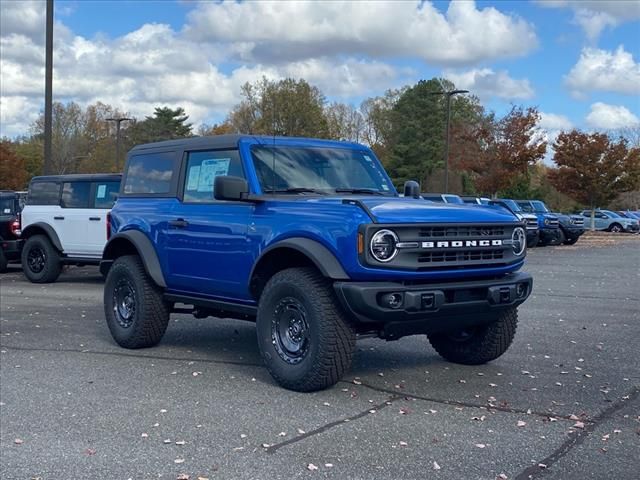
562,403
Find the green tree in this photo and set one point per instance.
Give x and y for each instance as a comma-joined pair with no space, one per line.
285,107
417,134
165,124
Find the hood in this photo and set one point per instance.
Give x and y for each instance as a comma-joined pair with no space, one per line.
411,210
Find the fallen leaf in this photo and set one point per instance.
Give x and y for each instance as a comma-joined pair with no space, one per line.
166,440
90,451
480,445
542,465
579,425
282,434
18,441
179,460
301,432
403,444
521,423
183,476
328,465
436,466
180,442
145,435
502,476
265,445
573,417
311,467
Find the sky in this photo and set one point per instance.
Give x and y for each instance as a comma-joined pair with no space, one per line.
576,61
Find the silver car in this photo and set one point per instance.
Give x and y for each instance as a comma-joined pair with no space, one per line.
610,221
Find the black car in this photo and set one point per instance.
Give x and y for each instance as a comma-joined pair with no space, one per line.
10,243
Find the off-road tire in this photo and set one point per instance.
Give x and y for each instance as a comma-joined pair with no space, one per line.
3,262
330,338
49,270
571,241
486,343
563,237
150,316
616,228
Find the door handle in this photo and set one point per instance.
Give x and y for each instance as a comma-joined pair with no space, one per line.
94,219
179,223
58,218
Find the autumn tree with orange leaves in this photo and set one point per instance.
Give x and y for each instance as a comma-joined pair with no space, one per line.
592,168
13,174
499,154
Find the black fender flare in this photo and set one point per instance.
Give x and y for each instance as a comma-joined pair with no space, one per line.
320,255
143,247
48,230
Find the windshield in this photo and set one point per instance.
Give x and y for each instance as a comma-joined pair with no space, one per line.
319,170
512,205
453,199
7,206
539,207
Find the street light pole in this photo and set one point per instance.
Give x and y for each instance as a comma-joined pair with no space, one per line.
48,90
118,122
449,94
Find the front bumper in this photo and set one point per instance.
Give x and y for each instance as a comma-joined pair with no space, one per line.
12,249
571,231
633,228
549,236
431,307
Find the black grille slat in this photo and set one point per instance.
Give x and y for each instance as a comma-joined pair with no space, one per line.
461,255
461,232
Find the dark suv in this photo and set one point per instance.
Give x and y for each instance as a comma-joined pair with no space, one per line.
10,228
309,239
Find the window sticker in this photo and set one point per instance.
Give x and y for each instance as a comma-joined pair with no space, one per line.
367,158
385,187
102,191
7,210
209,169
194,175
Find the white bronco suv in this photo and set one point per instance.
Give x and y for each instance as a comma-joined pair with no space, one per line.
65,221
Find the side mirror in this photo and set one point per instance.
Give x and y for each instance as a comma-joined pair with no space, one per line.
411,189
226,187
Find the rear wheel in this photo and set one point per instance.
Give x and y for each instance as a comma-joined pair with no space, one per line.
136,313
40,260
616,228
477,345
304,337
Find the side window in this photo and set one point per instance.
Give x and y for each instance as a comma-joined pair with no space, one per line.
75,195
44,193
150,173
204,167
106,194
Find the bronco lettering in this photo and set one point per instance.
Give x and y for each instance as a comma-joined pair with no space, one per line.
466,243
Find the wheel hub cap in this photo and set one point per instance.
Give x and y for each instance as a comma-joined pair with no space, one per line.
124,303
290,330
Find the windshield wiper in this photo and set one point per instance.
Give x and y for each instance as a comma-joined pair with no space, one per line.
367,191
296,190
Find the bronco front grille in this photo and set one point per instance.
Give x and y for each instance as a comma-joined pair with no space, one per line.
446,246
532,224
578,222
553,223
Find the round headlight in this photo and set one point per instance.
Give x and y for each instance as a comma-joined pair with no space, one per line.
383,245
518,241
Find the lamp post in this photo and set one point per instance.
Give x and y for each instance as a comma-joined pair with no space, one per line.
449,94
118,122
48,90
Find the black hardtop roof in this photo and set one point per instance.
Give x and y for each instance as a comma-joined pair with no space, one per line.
78,177
226,141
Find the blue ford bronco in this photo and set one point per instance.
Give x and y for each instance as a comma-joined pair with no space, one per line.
310,240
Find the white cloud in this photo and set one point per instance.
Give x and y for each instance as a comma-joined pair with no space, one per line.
554,121
606,71
596,15
608,117
283,31
341,47
485,83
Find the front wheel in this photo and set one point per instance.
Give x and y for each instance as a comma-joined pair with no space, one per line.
40,260
3,262
477,345
304,337
571,241
136,313
616,228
